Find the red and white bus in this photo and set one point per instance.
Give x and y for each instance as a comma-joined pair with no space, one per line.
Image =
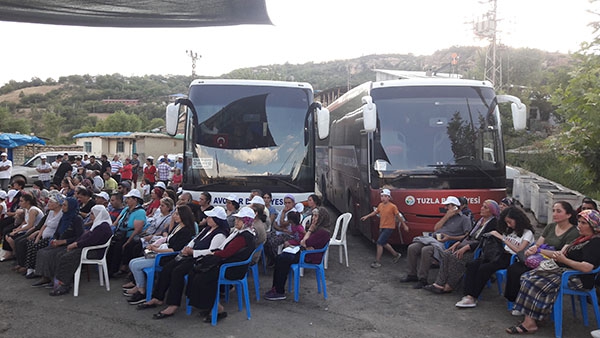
423,139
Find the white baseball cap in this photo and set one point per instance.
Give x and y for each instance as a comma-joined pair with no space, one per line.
216,212
386,192
245,212
451,200
134,193
299,207
232,197
3,195
161,185
257,200
4,154
103,194
43,157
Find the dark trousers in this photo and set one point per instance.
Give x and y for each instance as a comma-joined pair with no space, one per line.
282,269
114,256
6,225
202,288
479,272
172,279
513,280
21,250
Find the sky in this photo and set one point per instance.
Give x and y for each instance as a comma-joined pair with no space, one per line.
302,31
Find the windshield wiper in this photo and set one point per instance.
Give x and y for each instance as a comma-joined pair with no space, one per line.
298,188
463,165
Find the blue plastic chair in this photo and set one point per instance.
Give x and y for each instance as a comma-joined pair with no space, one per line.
241,288
501,276
152,271
583,294
302,264
254,269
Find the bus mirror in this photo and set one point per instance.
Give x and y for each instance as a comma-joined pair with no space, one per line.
518,109
369,114
323,122
172,119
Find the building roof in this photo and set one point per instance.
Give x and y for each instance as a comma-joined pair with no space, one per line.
8,140
124,134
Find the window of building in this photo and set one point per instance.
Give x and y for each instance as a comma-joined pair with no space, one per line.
120,147
87,147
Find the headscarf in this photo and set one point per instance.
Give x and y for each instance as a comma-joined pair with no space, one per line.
593,219
67,217
100,216
290,196
507,201
493,206
248,226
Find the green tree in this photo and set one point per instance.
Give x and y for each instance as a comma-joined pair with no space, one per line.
120,121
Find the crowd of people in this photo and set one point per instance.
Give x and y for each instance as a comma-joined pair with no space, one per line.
44,234
45,229
503,238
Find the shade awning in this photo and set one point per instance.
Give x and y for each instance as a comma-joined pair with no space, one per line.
16,140
148,13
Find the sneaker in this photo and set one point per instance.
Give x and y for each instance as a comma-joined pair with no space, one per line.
273,295
466,302
516,313
420,284
397,258
409,278
375,265
137,298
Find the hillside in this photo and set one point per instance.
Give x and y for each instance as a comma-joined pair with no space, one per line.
58,109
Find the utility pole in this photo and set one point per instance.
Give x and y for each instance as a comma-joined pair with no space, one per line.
486,28
195,58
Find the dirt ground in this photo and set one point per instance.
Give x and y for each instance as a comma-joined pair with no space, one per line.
363,302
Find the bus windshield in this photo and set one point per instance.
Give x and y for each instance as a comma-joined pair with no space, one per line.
243,133
428,129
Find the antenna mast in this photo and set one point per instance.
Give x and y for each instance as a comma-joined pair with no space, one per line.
195,58
486,28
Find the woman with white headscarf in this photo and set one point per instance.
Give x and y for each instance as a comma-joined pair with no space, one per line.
68,260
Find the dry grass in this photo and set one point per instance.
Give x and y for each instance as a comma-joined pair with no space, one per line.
13,96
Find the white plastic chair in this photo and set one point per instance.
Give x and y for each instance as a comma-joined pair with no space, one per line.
102,267
306,221
341,226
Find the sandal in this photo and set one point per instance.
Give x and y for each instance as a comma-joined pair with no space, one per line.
220,315
519,329
61,290
434,289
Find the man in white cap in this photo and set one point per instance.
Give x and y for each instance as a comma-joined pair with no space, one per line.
5,170
453,226
44,168
388,214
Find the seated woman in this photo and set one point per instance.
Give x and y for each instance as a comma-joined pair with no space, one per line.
453,261
67,261
155,196
40,239
280,231
516,233
172,276
69,229
538,291
260,228
232,207
202,286
130,224
557,235
32,216
319,237
176,239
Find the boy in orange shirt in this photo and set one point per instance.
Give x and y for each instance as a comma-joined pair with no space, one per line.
388,213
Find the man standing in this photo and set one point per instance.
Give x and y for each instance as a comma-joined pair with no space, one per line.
44,169
65,168
163,171
93,164
56,163
5,171
115,168
453,226
179,163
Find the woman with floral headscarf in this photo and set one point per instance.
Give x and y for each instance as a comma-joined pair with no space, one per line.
281,229
539,290
454,259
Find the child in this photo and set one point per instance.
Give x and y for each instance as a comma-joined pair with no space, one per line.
297,230
388,213
146,186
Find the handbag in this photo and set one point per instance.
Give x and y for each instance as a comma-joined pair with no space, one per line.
206,263
149,254
492,249
534,260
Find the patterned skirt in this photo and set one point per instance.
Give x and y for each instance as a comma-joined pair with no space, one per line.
537,294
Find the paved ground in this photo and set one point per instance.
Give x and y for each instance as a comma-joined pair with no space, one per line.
363,302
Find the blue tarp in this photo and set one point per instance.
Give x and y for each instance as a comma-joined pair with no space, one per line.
16,140
103,133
